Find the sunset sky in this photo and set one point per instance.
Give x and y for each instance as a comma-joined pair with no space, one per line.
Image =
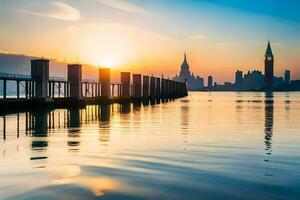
220,36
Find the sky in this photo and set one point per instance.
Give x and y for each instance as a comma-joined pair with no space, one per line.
151,36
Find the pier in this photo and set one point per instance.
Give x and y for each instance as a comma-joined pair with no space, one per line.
39,89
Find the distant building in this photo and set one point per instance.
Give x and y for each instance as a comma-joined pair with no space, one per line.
193,82
295,85
238,79
253,80
269,67
209,82
287,76
277,81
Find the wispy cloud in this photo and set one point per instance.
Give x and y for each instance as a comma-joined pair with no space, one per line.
57,10
125,6
198,37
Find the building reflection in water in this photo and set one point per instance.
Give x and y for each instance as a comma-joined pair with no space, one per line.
269,120
184,117
38,126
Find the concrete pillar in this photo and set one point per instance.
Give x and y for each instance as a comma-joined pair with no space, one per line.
4,89
75,79
172,88
152,87
165,88
137,82
104,79
125,81
158,88
18,89
146,86
163,84
168,88
40,74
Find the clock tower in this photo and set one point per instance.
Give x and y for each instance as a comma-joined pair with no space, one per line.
269,67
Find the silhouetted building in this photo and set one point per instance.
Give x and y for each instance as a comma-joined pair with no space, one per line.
269,67
238,79
193,83
210,82
287,76
253,80
277,81
295,84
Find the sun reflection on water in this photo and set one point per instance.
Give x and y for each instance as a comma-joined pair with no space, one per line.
71,174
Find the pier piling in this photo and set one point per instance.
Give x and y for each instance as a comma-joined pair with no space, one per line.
125,81
146,87
75,79
137,82
40,74
104,79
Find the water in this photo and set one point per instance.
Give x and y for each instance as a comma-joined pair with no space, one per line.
205,146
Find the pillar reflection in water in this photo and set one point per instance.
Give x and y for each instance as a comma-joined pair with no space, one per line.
137,106
125,108
269,120
74,128
105,112
39,128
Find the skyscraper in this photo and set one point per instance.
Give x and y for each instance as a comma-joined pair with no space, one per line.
193,82
210,82
269,67
238,79
287,76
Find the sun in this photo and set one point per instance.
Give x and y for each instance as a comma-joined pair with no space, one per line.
107,62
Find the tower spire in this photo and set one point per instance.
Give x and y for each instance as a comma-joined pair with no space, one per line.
185,55
269,49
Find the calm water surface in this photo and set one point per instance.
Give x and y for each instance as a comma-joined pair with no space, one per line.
204,146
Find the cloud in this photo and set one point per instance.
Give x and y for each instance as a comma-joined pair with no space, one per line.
57,10
198,37
125,6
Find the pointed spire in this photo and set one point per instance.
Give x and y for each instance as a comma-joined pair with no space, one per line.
185,55
269,50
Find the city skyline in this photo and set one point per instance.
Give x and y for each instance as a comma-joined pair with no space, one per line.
134,35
